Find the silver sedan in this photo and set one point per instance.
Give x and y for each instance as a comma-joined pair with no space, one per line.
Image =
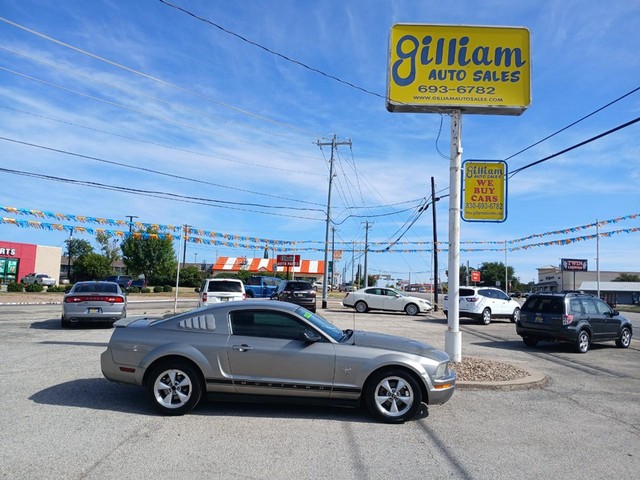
93,302
271,348
380,298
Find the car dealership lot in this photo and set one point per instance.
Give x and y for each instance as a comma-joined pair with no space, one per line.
62,419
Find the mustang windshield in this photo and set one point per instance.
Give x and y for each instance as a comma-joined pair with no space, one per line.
322,323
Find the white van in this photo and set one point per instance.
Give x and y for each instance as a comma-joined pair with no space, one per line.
216,290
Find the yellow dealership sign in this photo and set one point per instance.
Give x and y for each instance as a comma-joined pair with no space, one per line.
439,68
485,190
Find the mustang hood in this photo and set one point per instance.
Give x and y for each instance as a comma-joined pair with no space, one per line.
400,344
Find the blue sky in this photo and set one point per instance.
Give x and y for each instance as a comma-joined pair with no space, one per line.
90,89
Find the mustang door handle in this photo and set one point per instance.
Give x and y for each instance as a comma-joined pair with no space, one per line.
243,348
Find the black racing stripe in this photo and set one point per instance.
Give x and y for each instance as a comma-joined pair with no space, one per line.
283,386
219,381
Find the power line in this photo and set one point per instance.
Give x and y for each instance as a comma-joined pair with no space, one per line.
156,144
149,77
165,195
268,50
592,139
149,170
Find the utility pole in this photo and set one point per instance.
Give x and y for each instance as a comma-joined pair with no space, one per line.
184,252
333,260
334,144
435,246
131,217
366,251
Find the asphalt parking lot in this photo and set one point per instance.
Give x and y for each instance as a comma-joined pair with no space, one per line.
62,419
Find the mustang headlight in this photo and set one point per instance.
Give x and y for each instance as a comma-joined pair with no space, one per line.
442,370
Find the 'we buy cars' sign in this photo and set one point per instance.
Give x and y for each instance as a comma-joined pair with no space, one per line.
485,191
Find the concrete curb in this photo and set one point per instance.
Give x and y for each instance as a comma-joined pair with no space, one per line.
534,379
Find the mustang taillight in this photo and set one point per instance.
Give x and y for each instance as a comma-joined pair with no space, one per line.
93,298
567,319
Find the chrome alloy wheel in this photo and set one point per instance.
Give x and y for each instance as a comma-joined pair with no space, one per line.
172,388
394,397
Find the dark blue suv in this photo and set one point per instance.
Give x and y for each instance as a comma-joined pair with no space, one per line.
578,318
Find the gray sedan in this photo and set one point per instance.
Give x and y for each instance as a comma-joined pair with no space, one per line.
272,348
93,302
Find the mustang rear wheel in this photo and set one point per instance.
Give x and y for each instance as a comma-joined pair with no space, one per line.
393,396
174,387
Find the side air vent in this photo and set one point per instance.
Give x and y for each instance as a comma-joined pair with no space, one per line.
199,322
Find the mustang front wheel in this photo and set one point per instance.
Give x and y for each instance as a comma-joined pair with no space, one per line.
393,396
174,388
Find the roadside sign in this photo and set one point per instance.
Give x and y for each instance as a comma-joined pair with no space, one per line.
475,276
475,69
288,260
485,191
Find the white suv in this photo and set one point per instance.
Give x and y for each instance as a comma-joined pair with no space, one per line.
216,290
485,303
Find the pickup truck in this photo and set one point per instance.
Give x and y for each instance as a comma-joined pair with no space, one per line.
258,286
41,278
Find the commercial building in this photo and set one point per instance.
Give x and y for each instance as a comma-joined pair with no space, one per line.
20,259
555,279
310,270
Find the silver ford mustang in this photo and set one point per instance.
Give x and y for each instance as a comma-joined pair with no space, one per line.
270,348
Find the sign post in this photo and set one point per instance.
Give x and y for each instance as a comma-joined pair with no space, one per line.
458,69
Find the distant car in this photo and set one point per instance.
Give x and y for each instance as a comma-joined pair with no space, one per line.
296,291
578,318
138,283
484,304
346,287
123,280
216,290
264,349
378,298
40,278
93,302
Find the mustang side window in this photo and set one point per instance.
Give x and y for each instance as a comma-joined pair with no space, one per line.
267,324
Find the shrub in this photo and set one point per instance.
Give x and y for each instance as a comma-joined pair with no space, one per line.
145,290
67,288
33,287
56,288
134,290
15,287
158,289
167,288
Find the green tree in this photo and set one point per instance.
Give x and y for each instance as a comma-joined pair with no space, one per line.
76,248
191,276
92,266
150,255
627,277
493,272
109,246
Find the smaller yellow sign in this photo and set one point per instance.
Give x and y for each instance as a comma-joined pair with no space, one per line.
485,191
